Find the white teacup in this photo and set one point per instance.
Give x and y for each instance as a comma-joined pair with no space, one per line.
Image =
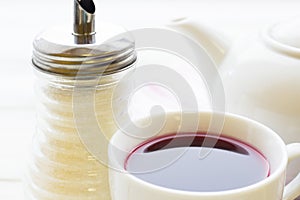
125,186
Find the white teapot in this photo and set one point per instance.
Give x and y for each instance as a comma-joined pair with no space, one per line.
261,75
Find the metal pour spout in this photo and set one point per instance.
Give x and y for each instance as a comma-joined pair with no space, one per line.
84,21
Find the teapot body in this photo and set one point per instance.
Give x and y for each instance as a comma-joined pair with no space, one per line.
263,83
260,72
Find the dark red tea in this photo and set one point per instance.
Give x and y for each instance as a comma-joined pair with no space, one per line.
177,162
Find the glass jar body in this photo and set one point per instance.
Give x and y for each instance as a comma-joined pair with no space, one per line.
69,111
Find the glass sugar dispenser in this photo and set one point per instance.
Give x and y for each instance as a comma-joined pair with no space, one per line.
77,75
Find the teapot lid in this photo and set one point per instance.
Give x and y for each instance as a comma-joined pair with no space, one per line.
284,36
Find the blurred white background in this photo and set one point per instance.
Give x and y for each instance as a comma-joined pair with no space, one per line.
20,21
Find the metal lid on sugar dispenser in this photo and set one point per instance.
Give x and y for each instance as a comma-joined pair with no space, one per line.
85,50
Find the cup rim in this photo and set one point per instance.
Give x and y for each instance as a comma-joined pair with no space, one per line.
280,169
